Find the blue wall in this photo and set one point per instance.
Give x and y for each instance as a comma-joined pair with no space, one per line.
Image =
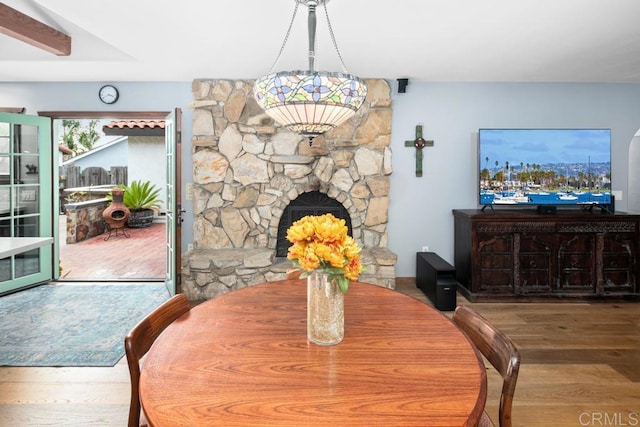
452,113
420,211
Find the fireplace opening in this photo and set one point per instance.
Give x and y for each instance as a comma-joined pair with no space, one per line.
311,203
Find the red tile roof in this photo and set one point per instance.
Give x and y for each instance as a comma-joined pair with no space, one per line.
135,127
141,124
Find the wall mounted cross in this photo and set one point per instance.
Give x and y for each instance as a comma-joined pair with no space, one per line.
419,143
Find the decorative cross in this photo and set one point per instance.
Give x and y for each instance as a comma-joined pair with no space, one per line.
419,143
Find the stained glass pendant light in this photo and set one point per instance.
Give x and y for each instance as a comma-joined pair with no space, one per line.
310,102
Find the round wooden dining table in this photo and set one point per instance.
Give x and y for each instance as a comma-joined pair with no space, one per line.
243,359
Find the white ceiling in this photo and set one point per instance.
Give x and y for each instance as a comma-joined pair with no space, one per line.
423,40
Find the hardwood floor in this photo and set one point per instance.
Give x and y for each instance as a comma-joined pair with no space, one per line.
580,362
580,367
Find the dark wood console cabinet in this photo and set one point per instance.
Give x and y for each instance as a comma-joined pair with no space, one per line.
521,254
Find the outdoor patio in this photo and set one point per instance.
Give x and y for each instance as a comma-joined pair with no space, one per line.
139,257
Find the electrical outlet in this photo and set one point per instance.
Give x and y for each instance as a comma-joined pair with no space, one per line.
425,249
188,188
190,247
617,194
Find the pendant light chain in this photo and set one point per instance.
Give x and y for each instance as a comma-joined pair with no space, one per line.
333,39
286,38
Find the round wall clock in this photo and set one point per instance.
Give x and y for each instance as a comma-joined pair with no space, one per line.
108,94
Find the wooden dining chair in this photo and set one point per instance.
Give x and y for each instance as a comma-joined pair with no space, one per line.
139,340
499,350
293,273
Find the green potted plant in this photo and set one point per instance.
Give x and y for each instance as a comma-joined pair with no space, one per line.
142,200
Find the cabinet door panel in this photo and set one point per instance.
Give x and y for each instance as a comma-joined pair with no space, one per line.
577,263
534,267
495,255
534,281
617,281
619,264
496,281
495,261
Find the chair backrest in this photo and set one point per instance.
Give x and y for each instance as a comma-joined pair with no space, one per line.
293,273
139,340
499,351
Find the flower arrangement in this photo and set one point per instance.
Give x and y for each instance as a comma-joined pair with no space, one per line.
321,243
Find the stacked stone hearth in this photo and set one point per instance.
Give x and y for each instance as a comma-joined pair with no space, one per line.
247,169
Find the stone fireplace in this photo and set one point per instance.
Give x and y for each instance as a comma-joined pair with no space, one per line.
251,176
311,203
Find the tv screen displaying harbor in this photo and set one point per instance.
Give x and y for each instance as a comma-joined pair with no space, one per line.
544,166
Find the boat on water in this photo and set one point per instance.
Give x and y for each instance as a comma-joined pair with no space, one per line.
510,198
538,193
567,197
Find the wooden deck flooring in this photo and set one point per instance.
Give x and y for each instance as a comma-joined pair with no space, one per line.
580,367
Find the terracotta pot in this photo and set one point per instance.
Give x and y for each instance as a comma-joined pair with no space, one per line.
116,214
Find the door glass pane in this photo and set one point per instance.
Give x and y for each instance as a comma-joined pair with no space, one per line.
27,263
5,227
4,137
26,169
4,169
28,199
5,269
26,139
26,226
5,212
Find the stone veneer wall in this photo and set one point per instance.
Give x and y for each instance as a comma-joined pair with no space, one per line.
84,220
246,170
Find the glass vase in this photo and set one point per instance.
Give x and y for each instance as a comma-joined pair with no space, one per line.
325,310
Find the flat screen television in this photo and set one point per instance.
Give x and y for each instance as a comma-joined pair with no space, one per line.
544,167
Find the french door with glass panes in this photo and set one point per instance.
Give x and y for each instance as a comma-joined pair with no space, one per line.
26,202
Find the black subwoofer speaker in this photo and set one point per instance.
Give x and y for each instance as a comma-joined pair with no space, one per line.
437,279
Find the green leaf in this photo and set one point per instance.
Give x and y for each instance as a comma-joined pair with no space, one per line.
343,284
141,195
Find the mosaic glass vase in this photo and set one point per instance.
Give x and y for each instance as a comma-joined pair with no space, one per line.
325,310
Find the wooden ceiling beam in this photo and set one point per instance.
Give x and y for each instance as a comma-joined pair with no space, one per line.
24,28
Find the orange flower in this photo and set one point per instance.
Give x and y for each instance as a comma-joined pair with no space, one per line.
300,231
321,242
353,269
351,248
330,229
296,251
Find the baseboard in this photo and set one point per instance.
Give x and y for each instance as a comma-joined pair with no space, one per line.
405,281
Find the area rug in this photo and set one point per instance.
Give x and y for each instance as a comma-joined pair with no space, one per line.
72,325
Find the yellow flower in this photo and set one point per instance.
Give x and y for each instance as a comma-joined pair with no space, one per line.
353,269
330,229
296,251
300,231
351,248
321,242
